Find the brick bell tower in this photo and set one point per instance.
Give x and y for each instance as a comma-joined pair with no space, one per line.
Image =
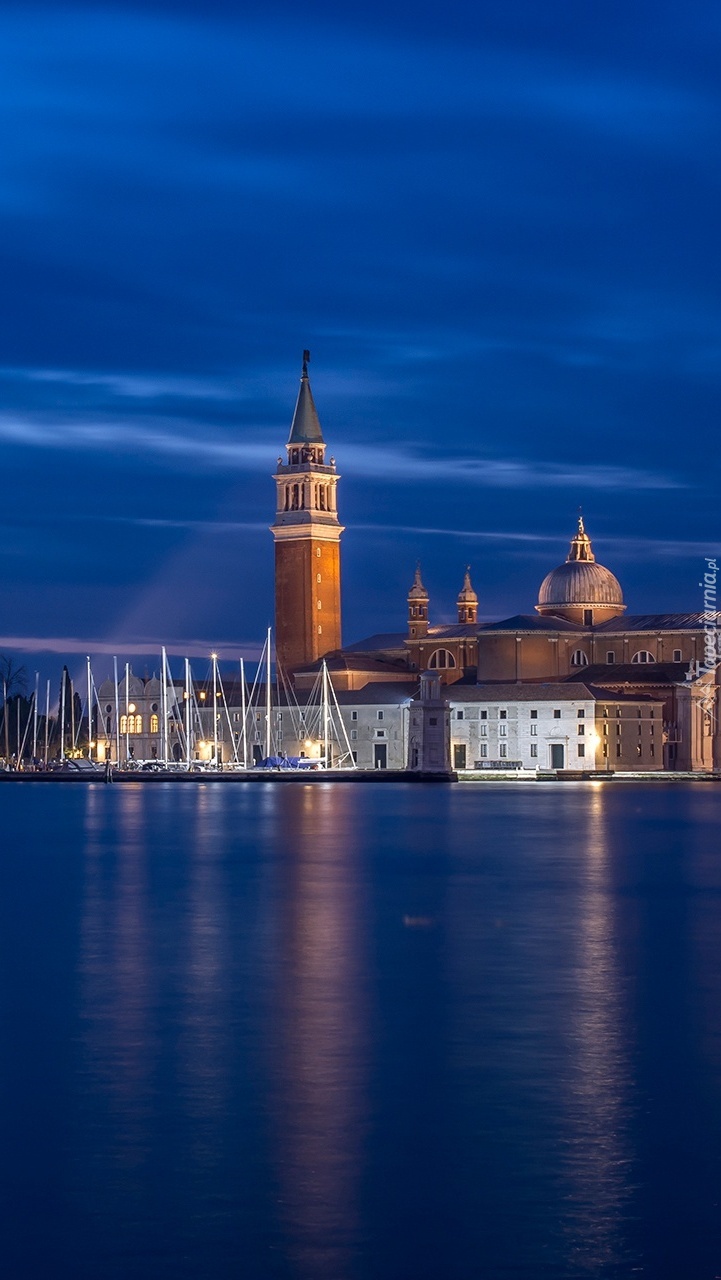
306,533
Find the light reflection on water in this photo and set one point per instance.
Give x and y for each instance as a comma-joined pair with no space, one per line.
353,1031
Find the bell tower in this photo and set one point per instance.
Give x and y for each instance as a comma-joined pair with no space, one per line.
306,533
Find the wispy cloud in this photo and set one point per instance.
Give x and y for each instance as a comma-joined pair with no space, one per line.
198,445
130,646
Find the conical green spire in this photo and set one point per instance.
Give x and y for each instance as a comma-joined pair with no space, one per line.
305,428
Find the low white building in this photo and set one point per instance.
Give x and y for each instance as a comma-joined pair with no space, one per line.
553,726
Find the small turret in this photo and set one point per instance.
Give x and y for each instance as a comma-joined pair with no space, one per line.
467,600
417,607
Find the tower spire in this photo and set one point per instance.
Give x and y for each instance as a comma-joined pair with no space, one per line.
305,429
467,600
418,606
306,532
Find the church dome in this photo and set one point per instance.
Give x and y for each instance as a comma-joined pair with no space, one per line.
581,584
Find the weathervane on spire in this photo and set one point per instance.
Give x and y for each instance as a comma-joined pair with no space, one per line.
306,358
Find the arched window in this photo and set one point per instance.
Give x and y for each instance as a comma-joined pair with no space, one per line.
643,655
442,659
154,723
579,658
123,724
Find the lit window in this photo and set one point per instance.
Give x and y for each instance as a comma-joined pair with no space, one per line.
317,552
579,658
317,577
123,724
154,724
319,605
320,630
643,655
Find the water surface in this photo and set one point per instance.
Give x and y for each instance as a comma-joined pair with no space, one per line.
388,1032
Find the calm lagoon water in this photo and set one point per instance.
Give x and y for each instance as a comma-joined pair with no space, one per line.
386,1032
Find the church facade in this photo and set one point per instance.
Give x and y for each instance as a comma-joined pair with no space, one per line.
578,632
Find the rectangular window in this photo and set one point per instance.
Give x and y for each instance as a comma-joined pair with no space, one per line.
605,711
610,656
639,713
502,715
605,729
380,733
534,750
581,729
433,720
581,714
534,715
355,756
459,716
605,749
557,715
379,714
677,655
484,730
618,749
581,749
354,715
353,734
502,730
484,715
652,749
534,730
484,750
503,750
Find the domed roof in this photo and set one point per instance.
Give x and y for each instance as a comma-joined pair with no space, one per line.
580,581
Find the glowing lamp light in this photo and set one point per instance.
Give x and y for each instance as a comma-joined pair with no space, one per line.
202,696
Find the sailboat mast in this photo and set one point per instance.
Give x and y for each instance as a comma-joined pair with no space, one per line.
267,696
164,704
90,709
242,703
127,711
35,718
62,715
214,657
187,713
117,712
47,721
325,716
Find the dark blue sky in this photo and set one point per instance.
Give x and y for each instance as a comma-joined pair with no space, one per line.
495,225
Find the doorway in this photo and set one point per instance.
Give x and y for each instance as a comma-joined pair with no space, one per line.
557,754
380,755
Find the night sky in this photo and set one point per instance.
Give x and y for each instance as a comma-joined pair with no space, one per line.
496,227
